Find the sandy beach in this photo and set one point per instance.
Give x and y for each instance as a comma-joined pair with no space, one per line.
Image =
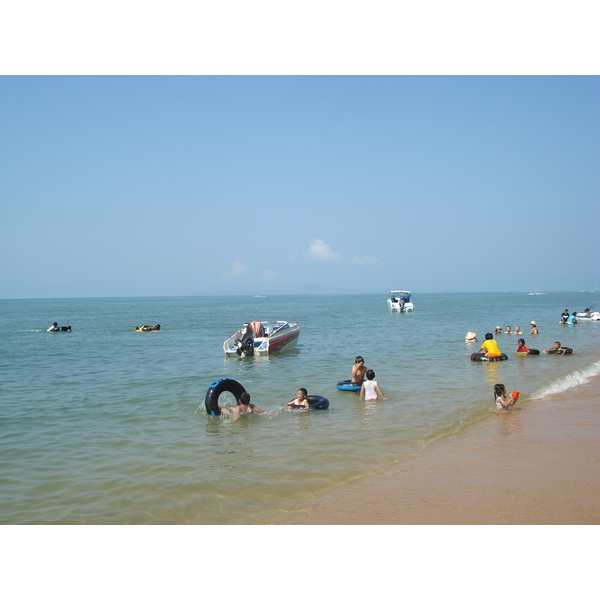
538,465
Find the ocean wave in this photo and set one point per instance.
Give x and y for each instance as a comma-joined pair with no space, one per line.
567,381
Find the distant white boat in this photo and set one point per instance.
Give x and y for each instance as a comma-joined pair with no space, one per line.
399,301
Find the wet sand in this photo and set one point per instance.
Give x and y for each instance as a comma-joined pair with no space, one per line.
538,465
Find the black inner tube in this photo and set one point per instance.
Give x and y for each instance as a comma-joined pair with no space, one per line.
211,400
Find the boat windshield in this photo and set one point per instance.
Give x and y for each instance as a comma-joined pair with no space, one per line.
400,295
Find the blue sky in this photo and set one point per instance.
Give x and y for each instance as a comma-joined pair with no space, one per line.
137,186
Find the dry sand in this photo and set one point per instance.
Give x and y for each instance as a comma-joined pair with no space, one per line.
537,465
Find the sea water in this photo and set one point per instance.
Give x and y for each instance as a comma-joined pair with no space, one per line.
105,425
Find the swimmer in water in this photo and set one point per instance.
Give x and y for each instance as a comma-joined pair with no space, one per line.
300,400
534,328
508,329
518,331
244,407
556,350
502,402
358,371
370,388
490,347
522,348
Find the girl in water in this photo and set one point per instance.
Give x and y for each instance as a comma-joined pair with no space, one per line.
502,402
370,388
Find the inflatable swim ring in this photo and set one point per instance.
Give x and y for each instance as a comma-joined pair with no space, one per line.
531,351
347,386
481,357
148,328
568,350
316,403
211,400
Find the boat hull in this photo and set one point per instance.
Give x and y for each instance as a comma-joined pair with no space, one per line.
395,307
588,316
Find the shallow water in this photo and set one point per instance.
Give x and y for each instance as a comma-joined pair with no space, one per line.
107,425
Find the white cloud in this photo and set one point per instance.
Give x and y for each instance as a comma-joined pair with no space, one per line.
238,270
319,250
363,260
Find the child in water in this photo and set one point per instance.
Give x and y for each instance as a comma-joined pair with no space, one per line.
358,371
558,349
522,348
502,402
300,400
243,408
490,347
370,388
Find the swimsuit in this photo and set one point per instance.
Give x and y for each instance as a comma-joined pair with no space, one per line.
370,390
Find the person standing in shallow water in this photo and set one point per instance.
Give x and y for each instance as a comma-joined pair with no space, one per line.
370,388
358,371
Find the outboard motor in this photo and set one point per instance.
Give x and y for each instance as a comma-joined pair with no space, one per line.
245,345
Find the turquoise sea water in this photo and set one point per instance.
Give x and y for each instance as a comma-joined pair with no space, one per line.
104,425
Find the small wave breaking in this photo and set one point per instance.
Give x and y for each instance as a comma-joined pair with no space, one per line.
568,381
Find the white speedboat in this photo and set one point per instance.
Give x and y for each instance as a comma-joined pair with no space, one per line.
262,338
588,315
399,301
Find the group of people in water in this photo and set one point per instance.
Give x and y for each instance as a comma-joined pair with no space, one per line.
568,319
245,407
489,348
517,331
370,390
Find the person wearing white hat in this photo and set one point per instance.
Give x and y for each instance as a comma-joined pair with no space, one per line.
471,336
534,329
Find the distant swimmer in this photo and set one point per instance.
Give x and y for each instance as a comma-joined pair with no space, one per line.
498,330
502,402
244,407
300,400
572,320
55,327
471,336
358,371
148,328
508,329
534,328
564,316
370,388
518,331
